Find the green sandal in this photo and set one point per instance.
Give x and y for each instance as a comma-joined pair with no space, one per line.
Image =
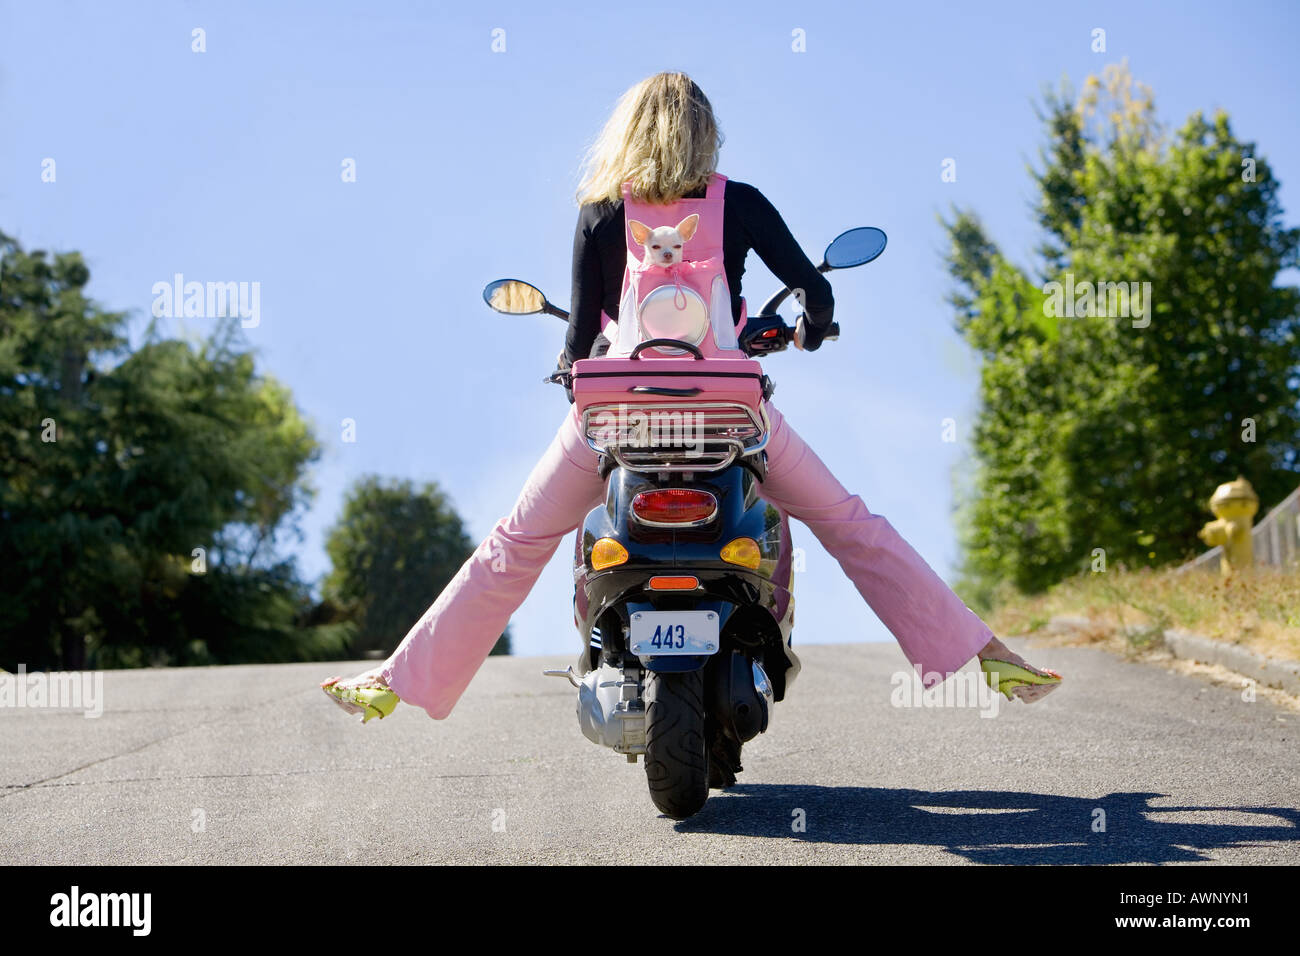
369,700
1005,677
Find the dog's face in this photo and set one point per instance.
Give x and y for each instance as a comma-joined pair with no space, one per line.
663,246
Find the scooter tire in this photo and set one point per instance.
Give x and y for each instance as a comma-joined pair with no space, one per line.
676,752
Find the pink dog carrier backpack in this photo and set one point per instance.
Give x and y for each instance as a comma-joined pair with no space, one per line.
671,408
689,301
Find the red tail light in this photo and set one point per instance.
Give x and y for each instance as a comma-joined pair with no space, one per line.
668,506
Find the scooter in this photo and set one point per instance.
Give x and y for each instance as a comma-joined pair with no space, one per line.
683,577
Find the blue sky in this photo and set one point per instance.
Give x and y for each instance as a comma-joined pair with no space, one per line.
225,165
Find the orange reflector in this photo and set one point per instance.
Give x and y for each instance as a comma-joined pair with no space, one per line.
742,551
684,583
606,553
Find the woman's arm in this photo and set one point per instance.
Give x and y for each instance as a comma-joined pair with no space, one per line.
588,288
771,239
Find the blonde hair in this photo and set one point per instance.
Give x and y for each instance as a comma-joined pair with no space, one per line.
662,136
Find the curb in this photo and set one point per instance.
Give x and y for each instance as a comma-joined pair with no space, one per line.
1269,671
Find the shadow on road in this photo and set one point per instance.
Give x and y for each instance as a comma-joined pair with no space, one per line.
991,826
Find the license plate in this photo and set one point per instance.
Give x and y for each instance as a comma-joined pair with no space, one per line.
674,633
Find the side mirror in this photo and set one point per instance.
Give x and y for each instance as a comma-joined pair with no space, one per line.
514,297
855,247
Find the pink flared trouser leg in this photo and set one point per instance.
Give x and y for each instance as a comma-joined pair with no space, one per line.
936,631
444,649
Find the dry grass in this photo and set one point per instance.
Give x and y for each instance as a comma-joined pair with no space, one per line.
1258,609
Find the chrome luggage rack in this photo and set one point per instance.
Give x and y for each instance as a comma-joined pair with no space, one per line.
652,436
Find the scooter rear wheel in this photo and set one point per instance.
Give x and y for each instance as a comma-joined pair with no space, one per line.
676,752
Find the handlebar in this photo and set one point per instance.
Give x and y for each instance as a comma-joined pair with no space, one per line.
765,333
833,332
774,303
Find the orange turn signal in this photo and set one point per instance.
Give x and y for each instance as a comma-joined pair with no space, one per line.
684,583
742,551
606,553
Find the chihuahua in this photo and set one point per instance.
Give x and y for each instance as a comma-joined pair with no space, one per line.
663,246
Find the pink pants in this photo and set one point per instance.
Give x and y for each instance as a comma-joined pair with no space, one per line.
435,662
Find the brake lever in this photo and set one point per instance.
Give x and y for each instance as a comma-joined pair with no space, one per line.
562,376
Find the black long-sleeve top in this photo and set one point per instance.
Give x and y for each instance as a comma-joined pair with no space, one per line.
749,222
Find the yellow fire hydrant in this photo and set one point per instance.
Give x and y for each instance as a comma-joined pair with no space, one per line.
1234,504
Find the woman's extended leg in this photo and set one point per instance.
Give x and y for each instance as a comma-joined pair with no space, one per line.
936,631
441,653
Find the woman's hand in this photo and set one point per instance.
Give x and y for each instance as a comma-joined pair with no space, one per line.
562,364
807,336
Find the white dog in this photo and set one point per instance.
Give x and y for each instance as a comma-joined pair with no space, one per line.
663,246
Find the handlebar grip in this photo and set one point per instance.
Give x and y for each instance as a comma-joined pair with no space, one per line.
832,332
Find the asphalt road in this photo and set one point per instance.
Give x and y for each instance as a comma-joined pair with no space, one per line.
252,764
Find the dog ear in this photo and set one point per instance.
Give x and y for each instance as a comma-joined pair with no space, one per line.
686,228
640,231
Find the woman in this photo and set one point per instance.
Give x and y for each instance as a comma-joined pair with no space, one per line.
663,139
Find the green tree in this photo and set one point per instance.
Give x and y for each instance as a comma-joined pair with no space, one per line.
142,490
393,549
1105,432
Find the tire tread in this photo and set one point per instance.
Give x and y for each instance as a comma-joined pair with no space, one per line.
676,759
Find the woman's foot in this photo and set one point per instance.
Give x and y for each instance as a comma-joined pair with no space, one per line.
1029,687
367,694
